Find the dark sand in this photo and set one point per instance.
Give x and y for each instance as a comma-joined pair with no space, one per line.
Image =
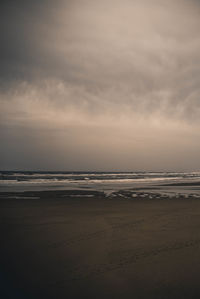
65,247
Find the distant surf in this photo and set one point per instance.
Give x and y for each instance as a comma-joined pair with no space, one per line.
107,182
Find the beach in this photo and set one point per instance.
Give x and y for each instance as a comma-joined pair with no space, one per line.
100,149
60,245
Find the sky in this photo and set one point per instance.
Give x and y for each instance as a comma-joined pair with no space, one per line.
110,85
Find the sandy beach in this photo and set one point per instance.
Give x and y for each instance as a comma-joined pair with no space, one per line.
76,247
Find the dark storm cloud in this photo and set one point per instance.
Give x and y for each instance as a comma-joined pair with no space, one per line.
138,54
127,65
21,30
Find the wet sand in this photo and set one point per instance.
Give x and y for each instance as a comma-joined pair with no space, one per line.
66,246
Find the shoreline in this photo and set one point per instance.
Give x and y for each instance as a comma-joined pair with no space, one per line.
153,192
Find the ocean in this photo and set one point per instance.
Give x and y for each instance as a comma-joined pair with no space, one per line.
108,182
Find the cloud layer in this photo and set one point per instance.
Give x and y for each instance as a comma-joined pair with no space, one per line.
110,84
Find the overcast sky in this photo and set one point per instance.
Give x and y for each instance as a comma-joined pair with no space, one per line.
100,85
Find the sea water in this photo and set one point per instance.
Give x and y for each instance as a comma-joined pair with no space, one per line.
102,181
